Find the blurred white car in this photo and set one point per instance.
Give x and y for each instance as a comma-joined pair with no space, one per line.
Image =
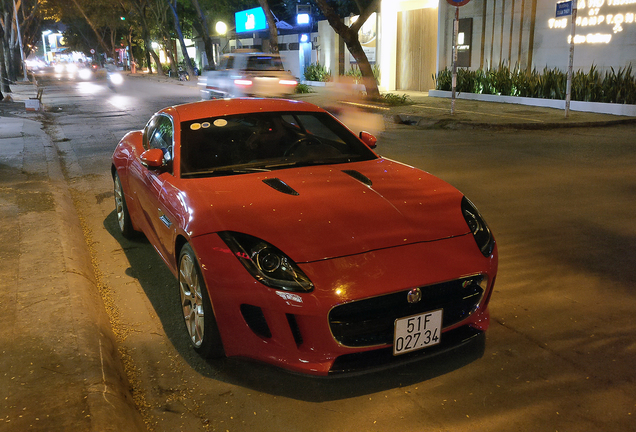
247,74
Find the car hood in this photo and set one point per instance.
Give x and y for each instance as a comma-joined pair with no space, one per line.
320,212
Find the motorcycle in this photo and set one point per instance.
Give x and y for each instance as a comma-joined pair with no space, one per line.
183,74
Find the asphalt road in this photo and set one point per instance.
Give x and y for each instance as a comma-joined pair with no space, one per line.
559,353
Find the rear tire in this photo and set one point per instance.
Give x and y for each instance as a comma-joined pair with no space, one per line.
197,309
123,216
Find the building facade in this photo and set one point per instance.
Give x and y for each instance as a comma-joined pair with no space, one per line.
416,37
411,40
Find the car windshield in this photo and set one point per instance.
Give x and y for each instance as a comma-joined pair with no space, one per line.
264,63
253,142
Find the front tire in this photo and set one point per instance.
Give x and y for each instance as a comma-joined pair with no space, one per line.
123,216
197,309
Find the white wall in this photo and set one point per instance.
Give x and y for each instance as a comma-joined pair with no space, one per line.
510,40
551,44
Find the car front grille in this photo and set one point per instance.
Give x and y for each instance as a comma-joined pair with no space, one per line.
369,322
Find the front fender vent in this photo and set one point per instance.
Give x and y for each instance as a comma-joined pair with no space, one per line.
359,176
280,186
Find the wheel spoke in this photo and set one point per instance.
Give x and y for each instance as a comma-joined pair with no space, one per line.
191,300
119,206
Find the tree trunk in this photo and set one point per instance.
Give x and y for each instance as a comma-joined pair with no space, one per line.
4,83
205,34
145,34
157,60
184,50
131,55
148,60
167,44
350,37
5,64
273,31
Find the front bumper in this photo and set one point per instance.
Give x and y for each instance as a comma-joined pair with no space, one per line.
296,331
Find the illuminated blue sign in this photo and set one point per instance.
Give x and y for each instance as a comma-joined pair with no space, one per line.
250,20
564,8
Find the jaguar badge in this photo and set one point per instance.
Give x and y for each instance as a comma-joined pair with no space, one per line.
414,296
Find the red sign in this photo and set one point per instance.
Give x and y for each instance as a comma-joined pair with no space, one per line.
457,2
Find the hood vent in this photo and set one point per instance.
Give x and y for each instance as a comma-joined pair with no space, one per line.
359,176
280,186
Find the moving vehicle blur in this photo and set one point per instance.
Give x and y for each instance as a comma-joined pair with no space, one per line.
247,74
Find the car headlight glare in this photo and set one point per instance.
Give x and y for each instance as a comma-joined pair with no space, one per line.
478,227
267,263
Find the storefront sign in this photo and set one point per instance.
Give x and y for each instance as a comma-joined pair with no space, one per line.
599,20
250,20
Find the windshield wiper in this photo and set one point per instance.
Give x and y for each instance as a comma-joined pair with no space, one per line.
317,161
225,171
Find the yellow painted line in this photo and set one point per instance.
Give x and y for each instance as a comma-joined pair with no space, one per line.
363,105
482,113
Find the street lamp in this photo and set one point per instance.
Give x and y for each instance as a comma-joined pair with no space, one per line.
221,28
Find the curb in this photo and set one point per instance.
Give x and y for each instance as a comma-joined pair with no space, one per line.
106,390
422,122
108,396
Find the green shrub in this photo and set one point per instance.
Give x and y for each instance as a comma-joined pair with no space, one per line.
303,88
356,74
612,86
444,80
317,72
393,99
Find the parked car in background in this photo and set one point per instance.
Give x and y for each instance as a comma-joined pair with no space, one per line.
247,74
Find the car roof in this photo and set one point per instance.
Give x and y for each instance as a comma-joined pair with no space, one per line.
223,107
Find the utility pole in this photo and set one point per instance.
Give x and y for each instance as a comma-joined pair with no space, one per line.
568,92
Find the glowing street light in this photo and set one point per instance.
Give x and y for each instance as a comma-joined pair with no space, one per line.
221,27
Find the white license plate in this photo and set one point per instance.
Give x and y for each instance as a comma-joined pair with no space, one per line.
417,332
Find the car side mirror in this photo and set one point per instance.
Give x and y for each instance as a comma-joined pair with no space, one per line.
369,139
153,158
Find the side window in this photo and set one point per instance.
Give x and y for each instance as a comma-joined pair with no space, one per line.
159,135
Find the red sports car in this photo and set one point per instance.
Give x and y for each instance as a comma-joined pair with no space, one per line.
295,244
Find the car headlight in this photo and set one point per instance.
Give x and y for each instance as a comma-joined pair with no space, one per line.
116,78
85,74
267,263
478,227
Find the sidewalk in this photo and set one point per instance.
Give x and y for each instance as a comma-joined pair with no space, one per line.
61,369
